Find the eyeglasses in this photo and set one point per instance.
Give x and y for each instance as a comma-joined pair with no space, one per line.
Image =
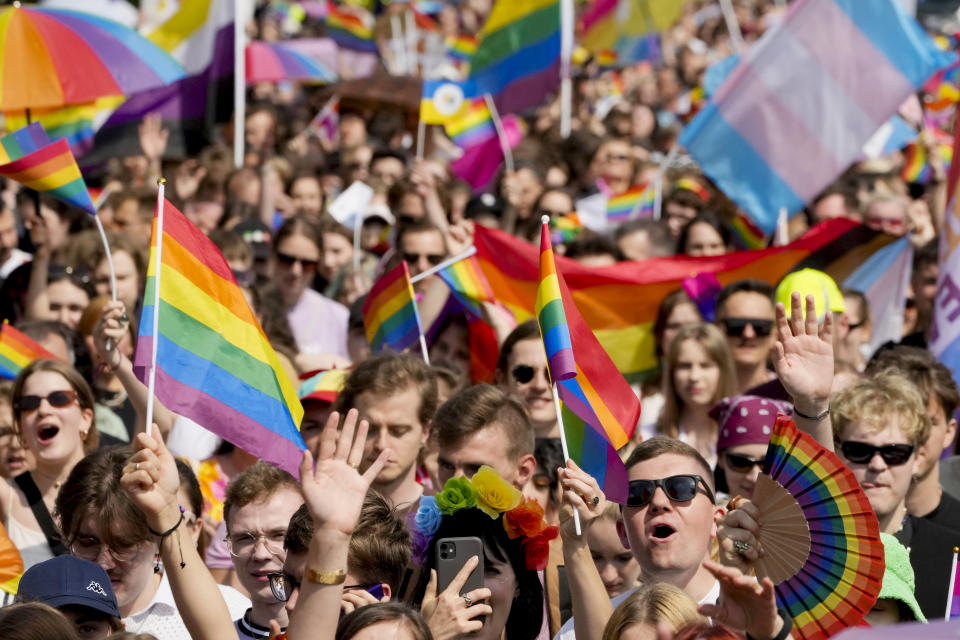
432,258
243,544
736,326
741,463
90,548
282,585
523,373
862,453
288,260
680,488
57,399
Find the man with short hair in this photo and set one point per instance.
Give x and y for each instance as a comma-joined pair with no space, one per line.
484,426
745,312
644,238
522,372
256,510
421,244
397,395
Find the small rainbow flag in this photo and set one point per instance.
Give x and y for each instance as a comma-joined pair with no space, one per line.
473,126
747,235
565,228
390,314
468,284
550,315
917,168
461,48
349,30
17,350
620,207
214,363
324,385
27,156
606,58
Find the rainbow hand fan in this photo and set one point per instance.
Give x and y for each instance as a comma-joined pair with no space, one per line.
820,536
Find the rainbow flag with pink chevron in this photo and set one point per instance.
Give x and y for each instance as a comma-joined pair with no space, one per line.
797,110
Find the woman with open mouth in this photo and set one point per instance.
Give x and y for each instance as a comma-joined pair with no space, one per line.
53,414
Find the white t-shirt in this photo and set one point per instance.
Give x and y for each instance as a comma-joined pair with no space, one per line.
567,633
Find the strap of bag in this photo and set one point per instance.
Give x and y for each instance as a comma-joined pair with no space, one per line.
41,513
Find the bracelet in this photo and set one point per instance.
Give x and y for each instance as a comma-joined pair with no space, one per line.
817,418
784,630
171,529
327,577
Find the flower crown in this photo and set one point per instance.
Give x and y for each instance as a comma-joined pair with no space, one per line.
493,495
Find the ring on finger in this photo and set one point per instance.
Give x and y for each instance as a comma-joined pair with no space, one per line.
136,467
595,501
467,599
741,546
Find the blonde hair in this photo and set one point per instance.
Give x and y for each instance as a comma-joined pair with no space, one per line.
875,399
715,344
651,604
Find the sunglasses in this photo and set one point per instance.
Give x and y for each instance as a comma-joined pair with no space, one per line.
681,488
288,260
523,373
736,326
741,463
57,399
862,453
432,258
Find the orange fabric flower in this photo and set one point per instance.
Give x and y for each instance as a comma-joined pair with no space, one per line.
526,520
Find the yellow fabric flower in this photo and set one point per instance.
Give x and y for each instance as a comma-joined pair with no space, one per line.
494,494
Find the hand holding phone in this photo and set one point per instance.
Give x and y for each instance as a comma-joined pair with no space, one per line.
458,608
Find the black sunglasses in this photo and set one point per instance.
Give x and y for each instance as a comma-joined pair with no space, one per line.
432,258
288,261
523,373
282,585
736,326
681,488
862,453
741,463
58,399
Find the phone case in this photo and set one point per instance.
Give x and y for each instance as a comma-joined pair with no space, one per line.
451,555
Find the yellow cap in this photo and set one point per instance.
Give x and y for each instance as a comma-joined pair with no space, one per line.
826,294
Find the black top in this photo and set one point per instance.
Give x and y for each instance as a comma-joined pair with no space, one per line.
947,513
931,554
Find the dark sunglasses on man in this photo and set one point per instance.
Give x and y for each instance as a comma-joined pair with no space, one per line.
741,463
288,260
523,373
432,258
679,488
736,326
862,453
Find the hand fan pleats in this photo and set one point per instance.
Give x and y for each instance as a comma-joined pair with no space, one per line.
820,536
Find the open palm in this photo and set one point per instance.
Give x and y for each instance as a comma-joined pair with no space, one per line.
803,356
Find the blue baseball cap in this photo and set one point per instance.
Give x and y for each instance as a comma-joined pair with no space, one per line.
68,580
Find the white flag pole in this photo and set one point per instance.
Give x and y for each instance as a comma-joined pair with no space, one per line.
443,265
152,374
421,134
953,577
239,85
566,453
566,53
733,25
501,134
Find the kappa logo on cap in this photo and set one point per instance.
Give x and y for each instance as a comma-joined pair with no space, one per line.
96,588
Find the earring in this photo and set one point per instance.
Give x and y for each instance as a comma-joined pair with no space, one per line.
83,435
156,563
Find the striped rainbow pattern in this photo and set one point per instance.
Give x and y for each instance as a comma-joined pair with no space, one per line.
518,54
76,123
348,30
472,126
17,350
550,314
275,62
468,284
639,198
746,234
28,157
510,265
325,385
782,105
606,58
461,48
390,314
214,363
917,168
841,579
565,228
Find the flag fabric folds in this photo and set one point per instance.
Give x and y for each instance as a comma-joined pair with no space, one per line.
799,107
621,208
28,157
472,126
479,164
214,363
468,284
884,279
550,315
390,314
349,30
444,100
944,341
619,303
17,350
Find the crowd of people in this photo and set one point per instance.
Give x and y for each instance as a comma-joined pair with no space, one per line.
127,533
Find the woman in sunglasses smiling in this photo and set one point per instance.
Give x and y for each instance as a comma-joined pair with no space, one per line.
53,412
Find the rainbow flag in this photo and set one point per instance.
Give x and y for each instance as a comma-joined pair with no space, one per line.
565,228
468,284
746,234
619,24
606,58
639,199
472,126
917,168
214,363
518,54
27,156
390,314
349,30
324,385
600,410
838,247
77,123
461,48
17,350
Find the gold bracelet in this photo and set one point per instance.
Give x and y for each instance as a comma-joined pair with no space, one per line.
327,577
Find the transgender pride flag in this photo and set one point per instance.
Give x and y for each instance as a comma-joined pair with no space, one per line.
797,110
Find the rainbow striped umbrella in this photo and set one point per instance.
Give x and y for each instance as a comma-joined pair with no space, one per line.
274,62
57,57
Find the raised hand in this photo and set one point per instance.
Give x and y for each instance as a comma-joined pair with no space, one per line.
582,492
744,603
803,355
448,615
153,137
150,477
188,177
353,599
108,332
334,488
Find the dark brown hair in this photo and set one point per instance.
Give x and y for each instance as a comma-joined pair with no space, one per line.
379,549
529,330
479,407
386,375
929,374
255,484
359,619
35,621
77,383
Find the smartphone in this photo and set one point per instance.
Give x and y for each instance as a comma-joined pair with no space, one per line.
452,554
